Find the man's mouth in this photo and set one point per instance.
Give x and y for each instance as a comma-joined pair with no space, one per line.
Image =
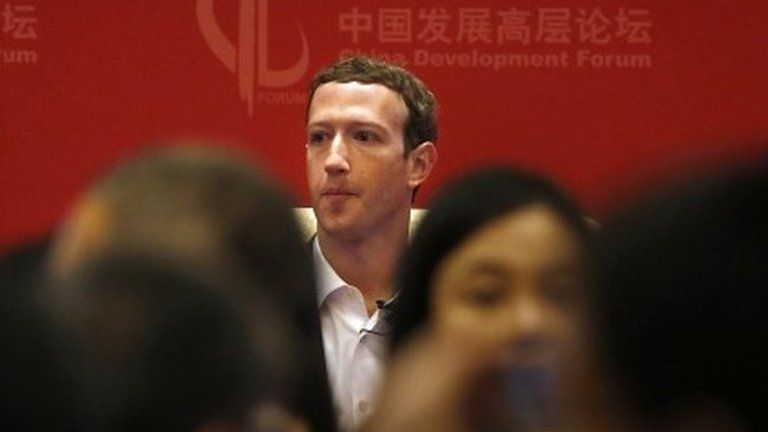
337,192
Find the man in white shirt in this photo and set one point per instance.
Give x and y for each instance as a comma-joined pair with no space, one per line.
371,132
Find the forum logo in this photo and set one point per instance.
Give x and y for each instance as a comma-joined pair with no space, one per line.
248,57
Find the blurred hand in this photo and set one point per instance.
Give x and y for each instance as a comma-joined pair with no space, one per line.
430,383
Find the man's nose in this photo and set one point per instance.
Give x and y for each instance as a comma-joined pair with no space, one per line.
337,161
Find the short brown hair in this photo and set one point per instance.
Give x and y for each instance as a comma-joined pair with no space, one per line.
421,123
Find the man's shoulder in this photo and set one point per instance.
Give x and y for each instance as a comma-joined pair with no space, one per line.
305,218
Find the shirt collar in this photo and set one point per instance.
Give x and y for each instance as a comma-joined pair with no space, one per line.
328,280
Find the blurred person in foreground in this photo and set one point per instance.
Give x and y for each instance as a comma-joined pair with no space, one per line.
371,134
153,346
22,265
214,212
35,387
682,308
492,304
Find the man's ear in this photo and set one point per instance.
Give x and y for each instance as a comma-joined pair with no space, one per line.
421,160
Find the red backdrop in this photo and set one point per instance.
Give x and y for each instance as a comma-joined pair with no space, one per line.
598,94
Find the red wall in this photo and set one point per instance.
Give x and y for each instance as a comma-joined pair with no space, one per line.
84,85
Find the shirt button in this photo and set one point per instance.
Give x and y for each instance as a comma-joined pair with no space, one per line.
363,406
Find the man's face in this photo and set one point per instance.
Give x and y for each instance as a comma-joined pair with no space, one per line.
358,174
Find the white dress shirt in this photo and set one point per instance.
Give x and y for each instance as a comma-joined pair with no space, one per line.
354,343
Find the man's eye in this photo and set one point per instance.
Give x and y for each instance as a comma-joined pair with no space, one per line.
316,137
365,136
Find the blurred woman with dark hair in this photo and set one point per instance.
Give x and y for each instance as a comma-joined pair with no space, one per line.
489,205
499,267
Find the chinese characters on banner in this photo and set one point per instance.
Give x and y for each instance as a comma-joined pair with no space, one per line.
503,37
19,30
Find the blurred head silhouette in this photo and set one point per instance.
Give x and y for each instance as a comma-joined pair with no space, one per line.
681,307
205,205
213,211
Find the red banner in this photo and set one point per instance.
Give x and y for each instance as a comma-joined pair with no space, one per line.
598,94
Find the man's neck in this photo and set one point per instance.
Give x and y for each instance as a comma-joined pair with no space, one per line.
368,262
